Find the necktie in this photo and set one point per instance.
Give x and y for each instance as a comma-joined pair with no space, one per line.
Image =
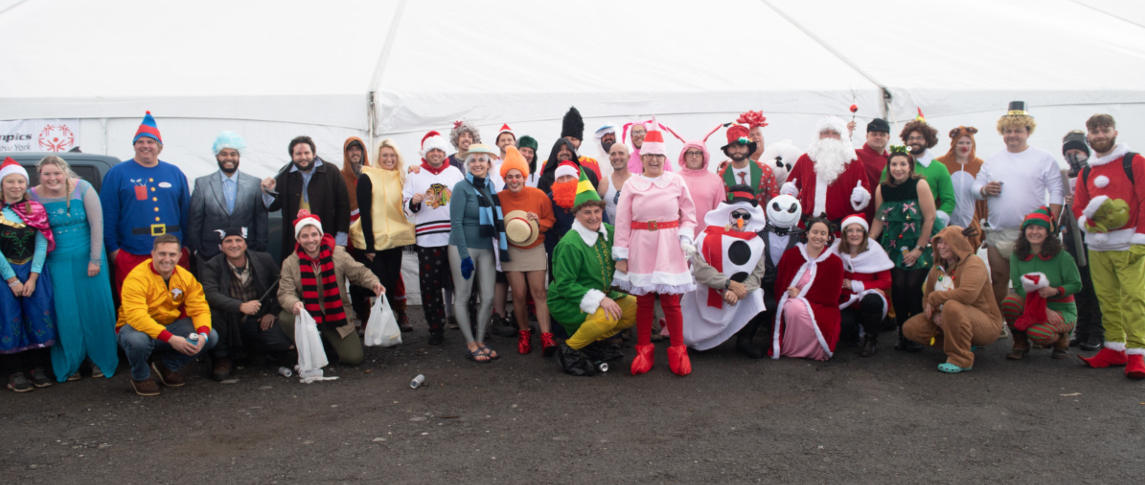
229,195
742,178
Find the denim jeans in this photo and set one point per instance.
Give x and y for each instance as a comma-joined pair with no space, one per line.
139,346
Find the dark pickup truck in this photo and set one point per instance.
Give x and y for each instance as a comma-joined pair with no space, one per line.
93,168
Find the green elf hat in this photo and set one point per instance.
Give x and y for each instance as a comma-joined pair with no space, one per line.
585,192
1041,217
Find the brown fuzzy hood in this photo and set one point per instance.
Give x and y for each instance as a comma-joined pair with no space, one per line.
348,172
957,242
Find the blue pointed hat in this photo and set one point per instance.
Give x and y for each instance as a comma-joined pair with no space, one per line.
148,129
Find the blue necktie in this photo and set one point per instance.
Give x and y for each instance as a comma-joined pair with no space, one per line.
229,195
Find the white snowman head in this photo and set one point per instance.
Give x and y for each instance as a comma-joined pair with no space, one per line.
784,211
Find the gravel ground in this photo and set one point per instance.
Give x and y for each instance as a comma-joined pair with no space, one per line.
890,418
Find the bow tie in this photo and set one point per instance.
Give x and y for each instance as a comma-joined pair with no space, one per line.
780,231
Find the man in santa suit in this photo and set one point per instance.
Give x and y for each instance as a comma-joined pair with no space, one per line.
728,268
829,179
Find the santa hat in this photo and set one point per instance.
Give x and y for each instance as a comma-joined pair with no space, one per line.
1035,310
305,218
514,160
572,124
567,167
228,139
831,123
654,141
10,167
855,219
585,192
433,140
505,129
148,129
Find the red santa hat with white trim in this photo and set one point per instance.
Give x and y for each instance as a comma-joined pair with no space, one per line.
654,141
10,167
305,218
433,140
505,129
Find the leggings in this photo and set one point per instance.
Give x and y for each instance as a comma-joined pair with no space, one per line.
1045,333
433,276
645,312
866,313
387,266
906,291
484,273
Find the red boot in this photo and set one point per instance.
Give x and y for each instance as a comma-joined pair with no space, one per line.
1136,367
525,341
548,346
1105,358
678,360
643,361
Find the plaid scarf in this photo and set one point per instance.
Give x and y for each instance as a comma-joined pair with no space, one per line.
326,308
492,220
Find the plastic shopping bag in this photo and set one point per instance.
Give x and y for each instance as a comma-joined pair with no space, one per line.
311,355
382,328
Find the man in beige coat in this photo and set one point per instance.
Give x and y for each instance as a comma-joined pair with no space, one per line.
314,281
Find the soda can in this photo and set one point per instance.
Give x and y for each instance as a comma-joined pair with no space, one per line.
602,367
417,381
285,371
193,339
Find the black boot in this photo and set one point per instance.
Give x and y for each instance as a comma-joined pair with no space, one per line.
870,345
573,362
745,338
906,344
504,326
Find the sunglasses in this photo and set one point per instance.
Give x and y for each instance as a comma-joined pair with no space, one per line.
746,216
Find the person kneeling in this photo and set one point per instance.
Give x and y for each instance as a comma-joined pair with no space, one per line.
728,267
319,267
959,307
581,297
163,309
810,280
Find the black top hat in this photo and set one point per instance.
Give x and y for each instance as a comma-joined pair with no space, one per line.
1018,108
741,193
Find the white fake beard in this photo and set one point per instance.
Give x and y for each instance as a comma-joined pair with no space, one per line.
831,157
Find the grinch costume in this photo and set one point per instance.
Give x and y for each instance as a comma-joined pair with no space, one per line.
1108,204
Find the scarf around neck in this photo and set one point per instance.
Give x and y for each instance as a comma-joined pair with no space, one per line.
320,295
492,220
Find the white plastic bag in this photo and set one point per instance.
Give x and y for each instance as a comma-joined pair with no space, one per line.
311,355
382,328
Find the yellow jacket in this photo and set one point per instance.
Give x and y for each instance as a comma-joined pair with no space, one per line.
150,304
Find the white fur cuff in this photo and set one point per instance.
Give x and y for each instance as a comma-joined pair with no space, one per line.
591,301
619,253
944,217
1137,238
1094,204
1135,351
857,286
1028,284
1115,346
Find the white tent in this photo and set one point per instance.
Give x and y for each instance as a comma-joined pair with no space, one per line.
274,70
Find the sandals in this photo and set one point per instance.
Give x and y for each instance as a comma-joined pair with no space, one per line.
474,355
492,354
951,368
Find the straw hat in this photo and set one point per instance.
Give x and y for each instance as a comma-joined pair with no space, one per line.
519,229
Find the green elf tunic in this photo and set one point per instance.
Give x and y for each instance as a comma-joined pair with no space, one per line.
1063,274
579,268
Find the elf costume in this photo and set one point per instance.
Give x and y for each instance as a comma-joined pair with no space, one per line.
1026,311
582,279
760,177
1107,191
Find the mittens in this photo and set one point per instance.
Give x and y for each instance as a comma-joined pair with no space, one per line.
467,267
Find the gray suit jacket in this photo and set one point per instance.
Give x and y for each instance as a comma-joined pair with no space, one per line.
209,213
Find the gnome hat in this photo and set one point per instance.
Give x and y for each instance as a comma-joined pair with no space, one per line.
585,192
1041,217
513,160
147,128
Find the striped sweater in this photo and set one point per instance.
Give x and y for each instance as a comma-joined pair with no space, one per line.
431,215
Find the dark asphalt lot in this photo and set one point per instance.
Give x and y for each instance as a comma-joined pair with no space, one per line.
891,418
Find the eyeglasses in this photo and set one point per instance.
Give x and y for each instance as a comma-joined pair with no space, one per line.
690,153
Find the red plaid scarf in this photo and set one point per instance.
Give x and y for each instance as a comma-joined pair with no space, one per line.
328,310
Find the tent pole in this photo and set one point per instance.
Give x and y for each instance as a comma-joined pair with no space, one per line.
380,66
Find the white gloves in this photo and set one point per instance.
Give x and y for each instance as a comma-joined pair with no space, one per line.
860,197
689,249
789,188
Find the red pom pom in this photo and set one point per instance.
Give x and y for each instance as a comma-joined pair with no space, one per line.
854,108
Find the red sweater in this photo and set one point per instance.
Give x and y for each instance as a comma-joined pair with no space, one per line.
529,199
1107,180
874,163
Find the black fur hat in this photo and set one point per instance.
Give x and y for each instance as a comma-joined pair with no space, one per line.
573,124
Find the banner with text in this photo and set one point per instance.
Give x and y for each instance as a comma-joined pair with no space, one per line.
42,135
